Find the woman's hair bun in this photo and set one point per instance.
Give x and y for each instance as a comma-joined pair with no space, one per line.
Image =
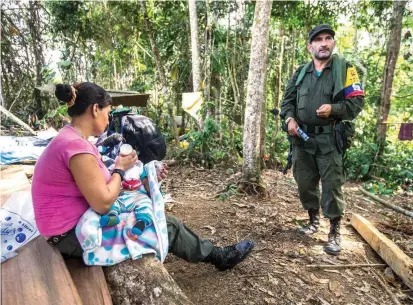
64,92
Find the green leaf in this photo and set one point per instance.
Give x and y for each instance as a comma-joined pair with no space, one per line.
64,63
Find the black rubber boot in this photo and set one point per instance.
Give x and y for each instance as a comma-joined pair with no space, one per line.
334,240
314,224
224,258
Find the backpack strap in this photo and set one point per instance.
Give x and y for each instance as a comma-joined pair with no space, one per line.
301,75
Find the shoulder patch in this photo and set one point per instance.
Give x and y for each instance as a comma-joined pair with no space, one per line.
353,86
352,76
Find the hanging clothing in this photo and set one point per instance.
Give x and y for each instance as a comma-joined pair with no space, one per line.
406,132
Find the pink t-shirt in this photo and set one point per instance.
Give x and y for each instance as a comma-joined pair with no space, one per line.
57,201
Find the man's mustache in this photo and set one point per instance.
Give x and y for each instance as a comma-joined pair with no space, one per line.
323,49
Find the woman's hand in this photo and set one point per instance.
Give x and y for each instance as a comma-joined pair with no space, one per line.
126,162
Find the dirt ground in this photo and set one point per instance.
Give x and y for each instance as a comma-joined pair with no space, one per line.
276,271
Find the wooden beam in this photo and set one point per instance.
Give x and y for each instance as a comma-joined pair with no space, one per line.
38,275
138,100
13,179
400,263
90,283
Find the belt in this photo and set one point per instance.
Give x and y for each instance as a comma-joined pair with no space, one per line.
316,130
55,240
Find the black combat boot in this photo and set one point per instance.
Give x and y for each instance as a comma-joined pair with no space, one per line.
334,239
314,223
224,258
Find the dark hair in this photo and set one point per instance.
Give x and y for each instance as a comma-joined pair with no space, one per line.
85,94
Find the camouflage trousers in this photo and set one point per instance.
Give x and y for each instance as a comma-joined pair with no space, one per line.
309,169
183,242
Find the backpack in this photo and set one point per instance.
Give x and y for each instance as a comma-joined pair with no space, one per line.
136,130
144,136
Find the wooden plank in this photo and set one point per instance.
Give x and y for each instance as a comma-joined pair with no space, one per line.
13,179
90,283
400,263
138,100
38,275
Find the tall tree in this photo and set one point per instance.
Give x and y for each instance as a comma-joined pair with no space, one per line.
161,71
278,95
356,51
256,97
393,49
196,62
292,67
34,22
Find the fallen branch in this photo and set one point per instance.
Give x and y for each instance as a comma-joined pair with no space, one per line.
17,96
15,119
387,289
359,207
384,286
252,275
346,266
213,230
385,203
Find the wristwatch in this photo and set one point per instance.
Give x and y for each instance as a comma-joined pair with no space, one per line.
120,172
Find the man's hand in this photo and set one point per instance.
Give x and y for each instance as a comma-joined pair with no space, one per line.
292,128
163,173
324,111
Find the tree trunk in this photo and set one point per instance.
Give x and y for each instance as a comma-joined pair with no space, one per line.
393,49
161,71
356,52
34,25
209,45
292,51
217,97
279,83
256,91
1,95
196,62
143,281
279,72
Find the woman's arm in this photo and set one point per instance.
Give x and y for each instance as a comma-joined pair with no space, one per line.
88,176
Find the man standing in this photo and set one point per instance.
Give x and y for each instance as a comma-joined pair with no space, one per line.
319,96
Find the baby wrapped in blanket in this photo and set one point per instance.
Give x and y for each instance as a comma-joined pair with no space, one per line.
135,179
135,224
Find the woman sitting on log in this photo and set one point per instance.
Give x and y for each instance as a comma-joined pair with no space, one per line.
70,177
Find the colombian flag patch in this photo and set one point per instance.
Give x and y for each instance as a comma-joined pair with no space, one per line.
353,85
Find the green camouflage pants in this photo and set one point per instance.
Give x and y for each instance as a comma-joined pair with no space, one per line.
308,169
182,242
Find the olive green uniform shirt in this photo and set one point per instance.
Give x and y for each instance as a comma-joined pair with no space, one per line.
318,158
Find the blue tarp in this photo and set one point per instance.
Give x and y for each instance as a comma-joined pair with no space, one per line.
19,149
